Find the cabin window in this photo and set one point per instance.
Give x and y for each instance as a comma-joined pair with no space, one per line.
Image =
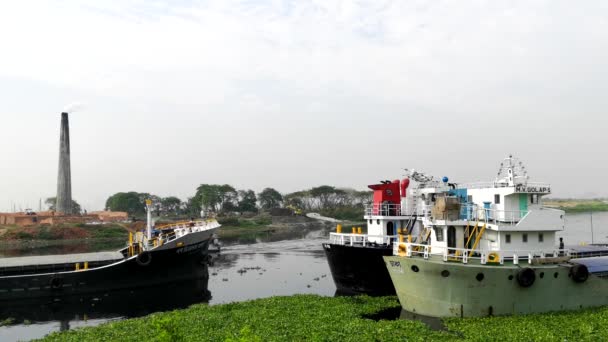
508,238
470,198
439,233
524,237
497,199
370,221
541,238
378,221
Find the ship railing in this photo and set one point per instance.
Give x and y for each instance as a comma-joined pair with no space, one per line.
465,256
179,230
517,187
360,239
189,224
383,209
473,212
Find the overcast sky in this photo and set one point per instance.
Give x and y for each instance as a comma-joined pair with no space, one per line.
295,94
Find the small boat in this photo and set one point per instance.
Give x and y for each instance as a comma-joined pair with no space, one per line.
484,249
355,258
175,253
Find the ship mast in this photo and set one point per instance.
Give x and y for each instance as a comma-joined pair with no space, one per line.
149,218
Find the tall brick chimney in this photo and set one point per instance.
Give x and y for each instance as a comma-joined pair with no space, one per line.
64,178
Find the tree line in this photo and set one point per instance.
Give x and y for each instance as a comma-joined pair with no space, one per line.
224,198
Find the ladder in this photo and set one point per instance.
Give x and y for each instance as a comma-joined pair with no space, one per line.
477,238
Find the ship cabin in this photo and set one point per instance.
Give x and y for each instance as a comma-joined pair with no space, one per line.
504,215
386,217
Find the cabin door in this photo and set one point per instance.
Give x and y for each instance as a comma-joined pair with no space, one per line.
390,229
451,237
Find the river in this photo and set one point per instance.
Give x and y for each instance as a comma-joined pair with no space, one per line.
262,267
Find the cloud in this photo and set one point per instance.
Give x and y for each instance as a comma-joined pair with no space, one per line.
308,86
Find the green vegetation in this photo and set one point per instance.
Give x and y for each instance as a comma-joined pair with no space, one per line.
315,318
224,199
65,231
578,206
52,201
270,198
235,226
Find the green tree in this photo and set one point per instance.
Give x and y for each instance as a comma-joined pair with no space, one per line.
270,198
131,202
170,204
247,201
52,201
215,197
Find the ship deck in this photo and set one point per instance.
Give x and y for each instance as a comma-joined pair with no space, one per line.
45,260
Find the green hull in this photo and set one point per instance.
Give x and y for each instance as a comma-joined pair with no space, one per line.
458,293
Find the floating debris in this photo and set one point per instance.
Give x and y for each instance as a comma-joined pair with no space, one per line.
214,273
308,286
316,279
225,279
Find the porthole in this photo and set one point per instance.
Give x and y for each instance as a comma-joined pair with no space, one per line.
511,277
542,274
445,273
479,276
555,275
415,268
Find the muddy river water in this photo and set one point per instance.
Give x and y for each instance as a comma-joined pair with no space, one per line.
259,268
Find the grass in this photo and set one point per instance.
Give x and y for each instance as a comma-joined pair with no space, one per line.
238,226
64,231
577,206
315,318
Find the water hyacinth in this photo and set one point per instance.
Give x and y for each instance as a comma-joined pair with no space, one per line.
315,318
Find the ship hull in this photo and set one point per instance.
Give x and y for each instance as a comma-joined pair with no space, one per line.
445,289
182,260
359,269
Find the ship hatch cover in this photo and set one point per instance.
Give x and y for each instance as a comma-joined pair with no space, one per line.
594,264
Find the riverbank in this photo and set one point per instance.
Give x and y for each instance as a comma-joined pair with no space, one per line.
62,232
311,317
577,206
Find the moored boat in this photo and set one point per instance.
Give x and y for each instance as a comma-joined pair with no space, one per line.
355,258
174,253
490,249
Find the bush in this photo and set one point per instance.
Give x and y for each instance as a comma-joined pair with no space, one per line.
24,236
344,213
229,221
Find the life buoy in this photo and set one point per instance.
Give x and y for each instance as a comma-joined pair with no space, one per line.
402,249
144,259
56,283
493,257
526,277
579,273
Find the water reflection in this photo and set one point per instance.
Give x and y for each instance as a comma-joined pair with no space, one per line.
243,272
35,318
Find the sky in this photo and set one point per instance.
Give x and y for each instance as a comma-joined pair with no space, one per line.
296,94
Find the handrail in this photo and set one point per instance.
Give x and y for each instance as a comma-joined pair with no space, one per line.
184,224
465,255
483,185
363,239
474,212
383,209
